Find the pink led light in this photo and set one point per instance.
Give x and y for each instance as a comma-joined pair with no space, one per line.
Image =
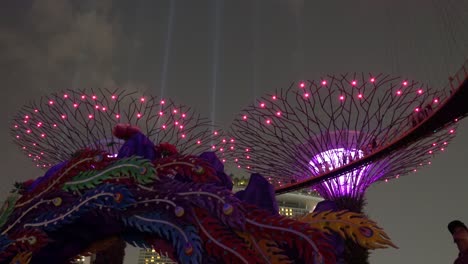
244,117
221,149
268,121
232,147
183,115
90,116
142,99
451,131
63,116
236,160
93,97
39,124
324,82
405,83
164,126
232,140
301,85
398,92
103,108
386,180
113,97
17,136
83,97
117,116
183,135
417,109
43,135
54,125
198,142
372,79
65,96
139,115
51,102
96,106
176,123
26,117
434,144
306,95
28,131
430,151
247,150
163,102
175,111
341,97
224,140
181,126
262,105
216,133
436,101
213,147
247,157
420,91
161,113
224,160
359,96
278,113
75,105
35,110
274,97
24,147
15,126
25,121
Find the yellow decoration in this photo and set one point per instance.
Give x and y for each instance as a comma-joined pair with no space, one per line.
22,258
350,225
266,249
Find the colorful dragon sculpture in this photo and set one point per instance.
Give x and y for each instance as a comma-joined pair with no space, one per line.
154,197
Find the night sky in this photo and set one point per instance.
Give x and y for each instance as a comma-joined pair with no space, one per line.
218,55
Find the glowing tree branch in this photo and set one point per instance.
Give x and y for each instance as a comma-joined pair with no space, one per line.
51,129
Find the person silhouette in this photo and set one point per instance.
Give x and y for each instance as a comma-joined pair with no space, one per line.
459,233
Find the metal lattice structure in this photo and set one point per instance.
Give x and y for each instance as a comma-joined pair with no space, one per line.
314,127
51,129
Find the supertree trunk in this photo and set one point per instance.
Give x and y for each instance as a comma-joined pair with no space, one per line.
114,254
354,253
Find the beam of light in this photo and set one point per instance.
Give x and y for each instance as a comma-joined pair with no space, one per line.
216,39
167,48
83,52
256,31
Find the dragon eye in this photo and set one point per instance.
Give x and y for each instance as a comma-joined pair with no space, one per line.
32,240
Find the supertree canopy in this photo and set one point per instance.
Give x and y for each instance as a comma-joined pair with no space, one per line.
129,168
53,128
317,126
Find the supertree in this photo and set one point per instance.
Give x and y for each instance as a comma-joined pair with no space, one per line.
53,128
314,127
